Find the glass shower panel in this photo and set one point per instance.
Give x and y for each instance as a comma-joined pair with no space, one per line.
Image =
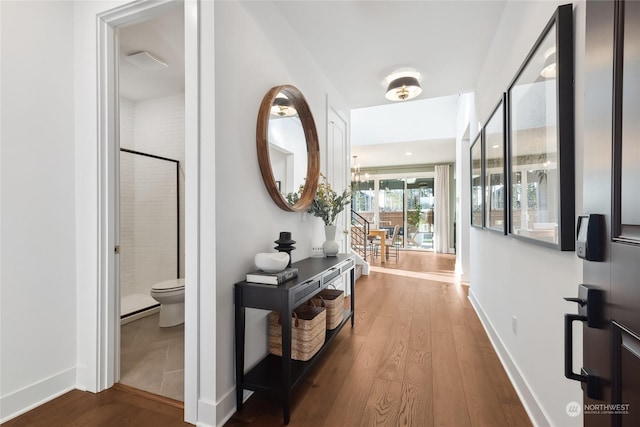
148,228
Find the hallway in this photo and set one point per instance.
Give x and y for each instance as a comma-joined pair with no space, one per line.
418,356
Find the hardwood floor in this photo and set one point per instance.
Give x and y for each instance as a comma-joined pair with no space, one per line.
113,407
417,356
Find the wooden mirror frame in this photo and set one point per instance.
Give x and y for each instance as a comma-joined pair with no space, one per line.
313,148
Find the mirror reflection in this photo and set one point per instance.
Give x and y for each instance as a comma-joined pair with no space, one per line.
287,146
534,147
495,195
476,182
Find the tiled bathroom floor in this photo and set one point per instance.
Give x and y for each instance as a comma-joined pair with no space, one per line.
152,358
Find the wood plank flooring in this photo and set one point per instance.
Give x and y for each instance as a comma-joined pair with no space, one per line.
113,407
417,357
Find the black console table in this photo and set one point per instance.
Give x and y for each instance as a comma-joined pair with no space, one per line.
280,374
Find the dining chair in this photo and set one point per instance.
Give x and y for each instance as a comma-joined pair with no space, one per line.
390,243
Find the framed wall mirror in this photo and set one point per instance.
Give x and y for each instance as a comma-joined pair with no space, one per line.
477,180
541,139
288,150
495,170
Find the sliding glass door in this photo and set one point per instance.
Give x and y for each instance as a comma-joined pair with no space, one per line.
391,206
406,202
419,213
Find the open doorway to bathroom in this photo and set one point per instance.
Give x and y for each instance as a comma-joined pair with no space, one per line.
151,202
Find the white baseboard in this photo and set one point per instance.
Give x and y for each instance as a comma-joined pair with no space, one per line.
531,406
227,405
27,398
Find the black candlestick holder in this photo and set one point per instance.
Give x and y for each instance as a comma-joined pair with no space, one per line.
285,244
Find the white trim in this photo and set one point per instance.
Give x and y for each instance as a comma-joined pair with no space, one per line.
526,395
192,60
107,333
21,401
227,405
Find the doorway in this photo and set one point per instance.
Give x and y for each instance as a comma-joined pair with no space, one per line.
151,180
198,98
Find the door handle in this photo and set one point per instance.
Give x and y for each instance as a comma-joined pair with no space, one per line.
586,376
590,304
580,301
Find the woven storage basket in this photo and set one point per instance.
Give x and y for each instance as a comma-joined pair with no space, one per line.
333,301
307,332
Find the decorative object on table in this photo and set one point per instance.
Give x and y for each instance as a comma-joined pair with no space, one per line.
333,301
327,204
285,244
308,331
271,262
330,247
276,278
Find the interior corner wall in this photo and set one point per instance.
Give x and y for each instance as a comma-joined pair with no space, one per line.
255,50
37,225
513,278
465,126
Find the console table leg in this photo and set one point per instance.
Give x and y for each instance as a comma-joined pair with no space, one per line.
240,335
353,295
286,363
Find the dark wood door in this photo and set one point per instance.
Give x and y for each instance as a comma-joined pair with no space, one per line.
612,187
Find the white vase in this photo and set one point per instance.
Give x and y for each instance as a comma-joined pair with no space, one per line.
330,247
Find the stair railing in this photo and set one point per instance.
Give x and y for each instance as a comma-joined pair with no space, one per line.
359,232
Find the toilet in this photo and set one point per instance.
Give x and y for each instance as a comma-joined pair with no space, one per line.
170,295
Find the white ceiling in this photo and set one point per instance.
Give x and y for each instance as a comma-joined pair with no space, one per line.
422,152
358,43
163,37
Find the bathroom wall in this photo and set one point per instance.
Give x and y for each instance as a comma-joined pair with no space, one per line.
148,189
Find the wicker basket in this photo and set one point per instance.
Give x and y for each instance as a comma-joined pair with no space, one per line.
307,332
333,301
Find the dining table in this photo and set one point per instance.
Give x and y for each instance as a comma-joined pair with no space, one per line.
382,234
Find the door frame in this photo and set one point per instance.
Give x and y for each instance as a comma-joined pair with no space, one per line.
107,304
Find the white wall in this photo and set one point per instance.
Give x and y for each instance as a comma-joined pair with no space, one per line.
419,120
37,226
148,239
466,125
254,52
510,277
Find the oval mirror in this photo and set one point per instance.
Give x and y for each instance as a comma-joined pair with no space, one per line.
288,150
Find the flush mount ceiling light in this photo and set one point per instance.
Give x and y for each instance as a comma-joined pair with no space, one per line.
282,107
403,85
146,61
549,69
